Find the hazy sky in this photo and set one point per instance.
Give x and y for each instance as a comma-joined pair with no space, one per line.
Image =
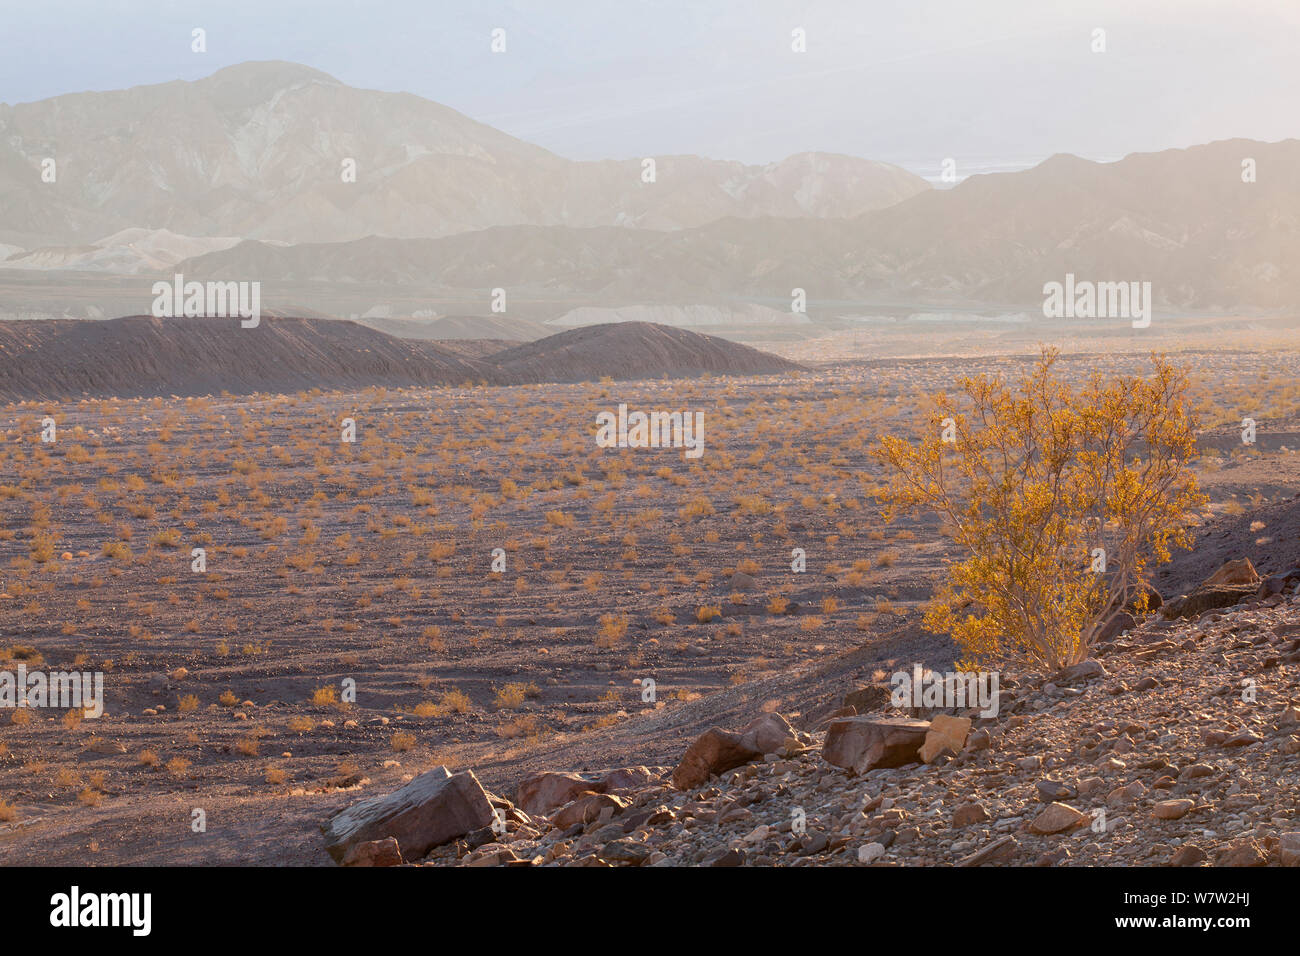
992,83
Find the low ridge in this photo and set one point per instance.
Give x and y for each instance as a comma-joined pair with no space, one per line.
143,356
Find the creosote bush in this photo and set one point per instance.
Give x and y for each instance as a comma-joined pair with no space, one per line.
1059,499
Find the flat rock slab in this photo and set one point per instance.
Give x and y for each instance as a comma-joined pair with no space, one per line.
1209,598
434,808
863,743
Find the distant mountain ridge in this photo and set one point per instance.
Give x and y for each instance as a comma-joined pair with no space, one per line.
143,356
262,150
1182,219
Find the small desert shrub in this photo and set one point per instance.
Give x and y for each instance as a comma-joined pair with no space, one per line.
402,741
325,696
514,695
612,629
456,702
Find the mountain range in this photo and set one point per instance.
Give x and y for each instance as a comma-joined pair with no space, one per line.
266,150
237,176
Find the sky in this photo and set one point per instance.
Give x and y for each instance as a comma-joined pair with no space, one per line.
993,84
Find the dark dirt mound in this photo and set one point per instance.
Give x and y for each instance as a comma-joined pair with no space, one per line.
142,356
146,356
634,350
510,330
476,348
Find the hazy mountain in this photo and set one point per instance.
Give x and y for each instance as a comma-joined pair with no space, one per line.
125,252
258,150
1182,219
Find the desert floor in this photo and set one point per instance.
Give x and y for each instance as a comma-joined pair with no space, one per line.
333,566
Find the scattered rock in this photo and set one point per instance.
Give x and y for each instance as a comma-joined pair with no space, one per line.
1172,809
863,743
945,733
717,750
434,808
1189,855
967,814
1056,818
587,809
1240,571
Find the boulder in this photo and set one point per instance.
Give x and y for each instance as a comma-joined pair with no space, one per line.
1208,599
1274,584
543,792
1240,571
1119,622
1003,848
968,814
1188,855
1052,791
714,751
1056,818
740,581
1172,809
1246,852
862,743
717,750
629,779
434,808
1288,849
546,791
1084,670
769,734
945,733
586,809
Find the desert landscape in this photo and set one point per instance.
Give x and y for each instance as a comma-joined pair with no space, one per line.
348,630
648,437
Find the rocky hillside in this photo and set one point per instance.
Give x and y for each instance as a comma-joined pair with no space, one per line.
1178,744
